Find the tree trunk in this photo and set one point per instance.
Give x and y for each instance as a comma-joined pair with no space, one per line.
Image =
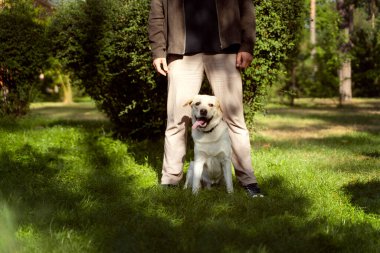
67,90
345,88
344,72
313,37
67,94
373,10
293,85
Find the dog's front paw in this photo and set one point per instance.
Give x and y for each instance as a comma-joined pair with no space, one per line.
195,190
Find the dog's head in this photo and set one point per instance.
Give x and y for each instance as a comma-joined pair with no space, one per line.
206,111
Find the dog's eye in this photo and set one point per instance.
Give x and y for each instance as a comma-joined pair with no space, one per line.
197,103
211,105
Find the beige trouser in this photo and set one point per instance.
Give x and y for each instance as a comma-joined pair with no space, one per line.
185,78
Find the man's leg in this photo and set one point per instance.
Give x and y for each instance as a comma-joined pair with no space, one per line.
226,83
184,82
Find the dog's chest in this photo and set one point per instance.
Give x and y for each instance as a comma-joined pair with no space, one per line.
214,144
213,150
220,148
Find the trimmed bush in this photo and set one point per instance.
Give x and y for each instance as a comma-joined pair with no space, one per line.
23,53
279,25
114,63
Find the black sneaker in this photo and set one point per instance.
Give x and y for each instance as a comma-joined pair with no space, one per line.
253,190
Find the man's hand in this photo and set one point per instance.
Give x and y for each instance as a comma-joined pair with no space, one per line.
161,66
243,60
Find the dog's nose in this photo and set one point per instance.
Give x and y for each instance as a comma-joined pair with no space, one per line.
203,112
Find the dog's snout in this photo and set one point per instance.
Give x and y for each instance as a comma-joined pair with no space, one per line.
203,112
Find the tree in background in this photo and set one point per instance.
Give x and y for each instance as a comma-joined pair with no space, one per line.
317,73
104,44
315,63
373,11
366,53
313,34
59,78
288,78
23,54
66,35
279,25
346,10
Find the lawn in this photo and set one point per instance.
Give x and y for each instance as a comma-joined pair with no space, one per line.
67,185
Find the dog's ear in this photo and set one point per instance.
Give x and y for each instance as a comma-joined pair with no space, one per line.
189,102
219,106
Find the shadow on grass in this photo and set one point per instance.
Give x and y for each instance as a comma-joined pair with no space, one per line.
117,215
88,126
345,117
28,183
106,208
148,152
31,123
365,195
372,154
364,147
355,143
151,152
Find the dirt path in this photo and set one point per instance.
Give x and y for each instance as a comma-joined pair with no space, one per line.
76,111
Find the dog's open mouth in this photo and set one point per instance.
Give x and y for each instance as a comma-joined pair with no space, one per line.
201,122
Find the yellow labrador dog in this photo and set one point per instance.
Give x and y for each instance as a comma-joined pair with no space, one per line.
212,145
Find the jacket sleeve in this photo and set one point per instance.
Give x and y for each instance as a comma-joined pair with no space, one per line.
248,25
156,29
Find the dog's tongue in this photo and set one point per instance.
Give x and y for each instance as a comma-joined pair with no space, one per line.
198,123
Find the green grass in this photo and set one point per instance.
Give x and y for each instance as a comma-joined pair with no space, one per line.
67,186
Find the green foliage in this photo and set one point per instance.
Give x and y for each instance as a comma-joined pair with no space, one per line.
105,44
325,81
279,24
317,77
23,50
366,55
65,31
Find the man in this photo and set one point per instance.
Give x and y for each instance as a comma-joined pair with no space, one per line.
189,38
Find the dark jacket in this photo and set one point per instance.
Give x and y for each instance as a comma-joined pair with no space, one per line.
236,20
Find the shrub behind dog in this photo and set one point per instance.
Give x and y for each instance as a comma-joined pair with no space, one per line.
114,63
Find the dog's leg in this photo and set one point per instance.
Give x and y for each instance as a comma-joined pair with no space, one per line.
205,178
206,181
197,174
189,176
207,184
228,175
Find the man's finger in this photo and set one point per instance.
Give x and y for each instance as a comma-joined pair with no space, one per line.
161,66
243,60
238,60
245,63
160,70
165,65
